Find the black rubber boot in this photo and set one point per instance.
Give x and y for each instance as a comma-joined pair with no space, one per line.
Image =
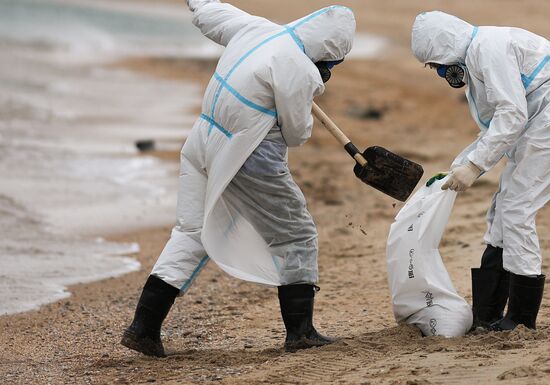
490,287
492,258
523,307
143,335
489,296
297,310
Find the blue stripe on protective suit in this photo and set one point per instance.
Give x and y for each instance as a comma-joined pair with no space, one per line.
290,30
527,80
194,274
315,14
295,37
474,32
244,100
213,123
216,96
251,51
485,123
236,65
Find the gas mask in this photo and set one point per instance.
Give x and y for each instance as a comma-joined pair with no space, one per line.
454,74
324,68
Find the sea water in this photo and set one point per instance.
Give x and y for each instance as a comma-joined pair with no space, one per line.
70,173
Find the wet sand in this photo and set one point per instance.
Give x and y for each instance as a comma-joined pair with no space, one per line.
229,332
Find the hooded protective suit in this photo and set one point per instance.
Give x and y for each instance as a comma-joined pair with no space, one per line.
508,91
237,201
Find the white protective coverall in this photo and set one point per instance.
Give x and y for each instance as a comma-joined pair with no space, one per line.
508,91
237,202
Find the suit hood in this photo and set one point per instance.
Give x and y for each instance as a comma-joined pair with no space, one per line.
440,38
327,34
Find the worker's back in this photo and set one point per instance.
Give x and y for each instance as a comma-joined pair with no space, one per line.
241,90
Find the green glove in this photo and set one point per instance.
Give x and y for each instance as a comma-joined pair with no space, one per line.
438,176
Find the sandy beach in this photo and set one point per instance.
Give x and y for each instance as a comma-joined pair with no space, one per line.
226,331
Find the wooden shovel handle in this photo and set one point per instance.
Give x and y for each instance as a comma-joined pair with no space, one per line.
338,134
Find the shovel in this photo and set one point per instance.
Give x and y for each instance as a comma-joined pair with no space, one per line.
379,168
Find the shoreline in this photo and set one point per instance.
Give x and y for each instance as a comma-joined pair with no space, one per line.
148,66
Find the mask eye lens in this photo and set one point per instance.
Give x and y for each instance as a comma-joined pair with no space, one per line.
442,71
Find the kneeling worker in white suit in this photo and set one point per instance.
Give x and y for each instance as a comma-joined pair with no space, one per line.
237,202
507,74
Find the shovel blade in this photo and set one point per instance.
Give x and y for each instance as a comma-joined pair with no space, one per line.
389,173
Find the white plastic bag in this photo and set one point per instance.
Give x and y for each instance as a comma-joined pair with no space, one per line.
422,291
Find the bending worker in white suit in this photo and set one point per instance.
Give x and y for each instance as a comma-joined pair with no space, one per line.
237,202
507,74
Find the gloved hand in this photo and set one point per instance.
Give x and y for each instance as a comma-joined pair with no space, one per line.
462,177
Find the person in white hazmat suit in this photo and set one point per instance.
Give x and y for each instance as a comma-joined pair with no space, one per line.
237,201
506,72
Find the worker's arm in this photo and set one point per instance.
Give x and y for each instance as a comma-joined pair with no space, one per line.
500,72
294,86
219,21
462,158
